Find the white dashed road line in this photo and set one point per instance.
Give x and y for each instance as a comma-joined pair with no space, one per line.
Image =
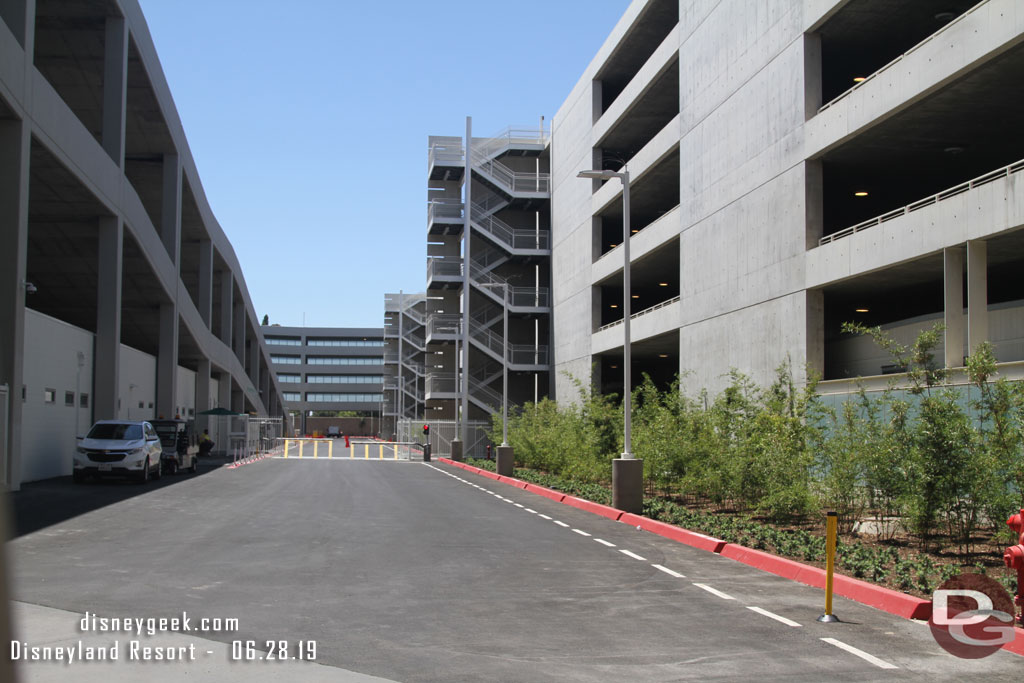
520,505
581,533
545,517
713,591
668,571
532,512
560,523
604,542
772,615
880,663
633,555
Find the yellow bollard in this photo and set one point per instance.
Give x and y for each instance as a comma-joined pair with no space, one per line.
351,450
366,451
382,451
830,562
330,449
286,448
300,447
316,446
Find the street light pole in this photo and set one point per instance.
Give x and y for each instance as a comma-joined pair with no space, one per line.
627,471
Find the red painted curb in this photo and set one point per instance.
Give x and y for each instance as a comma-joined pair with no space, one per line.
556,496
879,597
1016,646
885,599
675,533
595,508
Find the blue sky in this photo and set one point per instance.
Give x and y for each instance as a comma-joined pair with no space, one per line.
308,121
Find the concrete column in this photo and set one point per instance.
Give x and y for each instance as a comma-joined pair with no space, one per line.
115,80
812,75
977,294
227,301
167,362
224,390
107,365
814,203
202,394
467,232
15,151
265,387
238,333
19,15
205,303
170,208
254,366
815,339
953,288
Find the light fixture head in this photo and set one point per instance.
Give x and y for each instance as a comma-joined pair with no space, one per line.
860,193
859,79
861,310
598,175
663,284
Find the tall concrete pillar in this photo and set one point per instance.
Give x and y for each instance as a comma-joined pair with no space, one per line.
815,339
253,349
167,362
115,80
227,300
977,294
170,208
107,365
265,389
202,394
238,333
15,150
953,288
205,303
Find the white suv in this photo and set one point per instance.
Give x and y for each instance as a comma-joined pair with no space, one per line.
119,447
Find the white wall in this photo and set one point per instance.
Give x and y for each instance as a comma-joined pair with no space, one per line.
51,362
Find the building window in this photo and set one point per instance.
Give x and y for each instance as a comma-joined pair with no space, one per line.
344,398
344,379
291,396
344,360
141,404
286,360
69,399
83,400
283,341
344,342
49,395
289,378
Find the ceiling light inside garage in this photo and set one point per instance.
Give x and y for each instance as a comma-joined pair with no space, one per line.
860,193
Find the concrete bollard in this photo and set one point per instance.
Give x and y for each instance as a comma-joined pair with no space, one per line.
628,485
506,461
457,450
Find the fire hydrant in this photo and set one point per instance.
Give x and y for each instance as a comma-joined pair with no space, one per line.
488,451
1013,557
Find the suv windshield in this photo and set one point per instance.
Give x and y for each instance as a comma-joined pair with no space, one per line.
115,431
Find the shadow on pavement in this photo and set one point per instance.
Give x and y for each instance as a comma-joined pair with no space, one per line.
40,504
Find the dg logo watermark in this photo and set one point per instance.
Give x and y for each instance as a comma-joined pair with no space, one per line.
972,616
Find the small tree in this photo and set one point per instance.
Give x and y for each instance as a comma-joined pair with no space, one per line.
266,320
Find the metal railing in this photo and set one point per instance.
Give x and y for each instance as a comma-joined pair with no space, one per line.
440,382
513,135
484,394
527,354
490,340
888,66
513,238
634,316
989,177
415,339
446,151
444,208
439,266
519,297
444,323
